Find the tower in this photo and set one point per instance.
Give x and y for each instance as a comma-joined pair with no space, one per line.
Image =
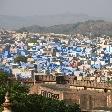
7,104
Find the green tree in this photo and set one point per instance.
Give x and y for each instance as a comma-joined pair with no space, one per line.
3,77
23,102
23,29
19,59
32,40
37,103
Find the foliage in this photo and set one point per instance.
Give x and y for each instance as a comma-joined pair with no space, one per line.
32,40
109,81
23,102
14,88
3,77
19,59
22,30
38,103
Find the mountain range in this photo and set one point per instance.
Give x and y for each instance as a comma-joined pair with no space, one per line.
87,27
12,22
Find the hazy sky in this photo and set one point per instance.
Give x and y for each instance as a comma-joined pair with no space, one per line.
100,8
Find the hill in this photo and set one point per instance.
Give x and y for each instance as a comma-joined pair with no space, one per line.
42,20
90,26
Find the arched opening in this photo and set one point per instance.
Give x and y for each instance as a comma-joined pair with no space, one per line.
85,88
105,90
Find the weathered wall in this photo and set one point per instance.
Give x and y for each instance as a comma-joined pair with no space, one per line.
88,100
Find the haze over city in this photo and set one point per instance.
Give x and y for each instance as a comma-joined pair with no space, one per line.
96,8
55,56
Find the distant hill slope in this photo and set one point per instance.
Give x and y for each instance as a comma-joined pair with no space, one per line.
95,27
45,20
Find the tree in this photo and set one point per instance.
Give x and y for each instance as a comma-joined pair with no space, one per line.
19,59
23,29
23,102
38,103
16,90
32,40
3,77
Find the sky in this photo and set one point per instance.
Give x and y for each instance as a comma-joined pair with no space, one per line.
97,8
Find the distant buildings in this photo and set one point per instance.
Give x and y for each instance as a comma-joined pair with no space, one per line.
86,63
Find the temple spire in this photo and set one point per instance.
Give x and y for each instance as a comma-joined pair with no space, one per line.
7,105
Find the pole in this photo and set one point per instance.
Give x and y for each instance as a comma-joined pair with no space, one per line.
33,77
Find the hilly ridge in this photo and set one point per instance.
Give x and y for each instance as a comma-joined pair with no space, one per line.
13,22
90,26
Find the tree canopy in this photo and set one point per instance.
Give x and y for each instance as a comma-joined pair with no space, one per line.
19,59
24,102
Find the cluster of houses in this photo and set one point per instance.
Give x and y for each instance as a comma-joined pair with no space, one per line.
74,55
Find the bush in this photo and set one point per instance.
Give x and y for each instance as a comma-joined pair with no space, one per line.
22,102
19,59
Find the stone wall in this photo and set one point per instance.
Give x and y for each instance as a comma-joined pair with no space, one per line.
51,93
45,78
72,80
87,99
